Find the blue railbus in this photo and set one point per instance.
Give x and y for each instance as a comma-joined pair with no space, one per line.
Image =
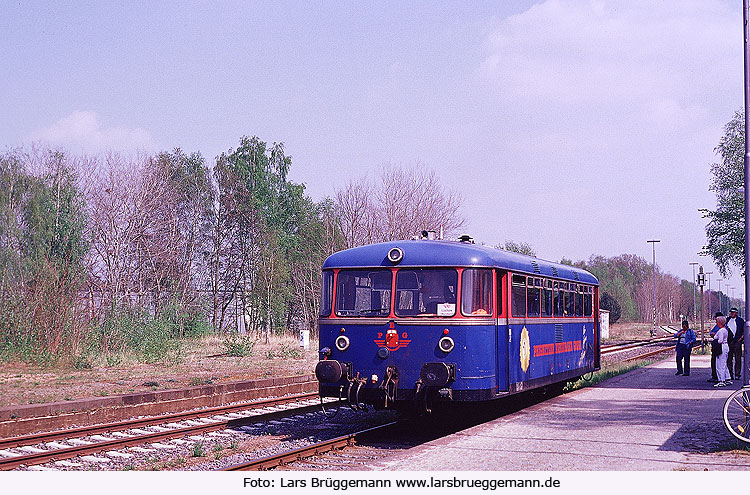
430,321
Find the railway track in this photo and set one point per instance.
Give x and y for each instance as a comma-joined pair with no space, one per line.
121,439
318,448
613,349
82,443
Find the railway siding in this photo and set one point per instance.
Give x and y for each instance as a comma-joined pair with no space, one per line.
24,419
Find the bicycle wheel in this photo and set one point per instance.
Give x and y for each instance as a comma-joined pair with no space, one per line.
737,414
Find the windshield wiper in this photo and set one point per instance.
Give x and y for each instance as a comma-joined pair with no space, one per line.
370,311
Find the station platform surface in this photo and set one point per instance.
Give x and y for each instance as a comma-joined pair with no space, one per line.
646,419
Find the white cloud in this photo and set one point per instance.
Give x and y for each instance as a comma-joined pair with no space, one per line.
82,131
611,52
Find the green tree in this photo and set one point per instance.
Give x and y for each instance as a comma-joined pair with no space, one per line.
725,231
517,247
606,301
42,247
262,213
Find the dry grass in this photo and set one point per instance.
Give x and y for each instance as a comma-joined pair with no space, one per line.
22,383
628,331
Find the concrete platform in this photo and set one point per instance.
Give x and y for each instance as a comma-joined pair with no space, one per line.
647,419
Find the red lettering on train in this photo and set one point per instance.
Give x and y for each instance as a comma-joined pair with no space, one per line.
557,348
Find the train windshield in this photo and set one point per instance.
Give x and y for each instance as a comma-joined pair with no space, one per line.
426,292
363,293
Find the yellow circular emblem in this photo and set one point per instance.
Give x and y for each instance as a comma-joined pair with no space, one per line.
525,350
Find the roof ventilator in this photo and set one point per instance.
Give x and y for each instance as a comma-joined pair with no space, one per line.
536,267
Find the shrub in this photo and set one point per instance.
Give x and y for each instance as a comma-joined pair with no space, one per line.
238,345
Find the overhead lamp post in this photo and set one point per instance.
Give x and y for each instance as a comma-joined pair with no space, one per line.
695,310
653,254
718,294
709,294
701,283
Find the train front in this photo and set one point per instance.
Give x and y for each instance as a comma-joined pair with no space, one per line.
396,322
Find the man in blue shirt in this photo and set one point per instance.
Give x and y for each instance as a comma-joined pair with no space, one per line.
685,339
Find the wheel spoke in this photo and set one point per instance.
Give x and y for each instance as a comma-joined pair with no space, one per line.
737,414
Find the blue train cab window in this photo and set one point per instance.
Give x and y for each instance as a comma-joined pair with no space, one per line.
533,297
518,296
426,292
326,294
476,292
363,293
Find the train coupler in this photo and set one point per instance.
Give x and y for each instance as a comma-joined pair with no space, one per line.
353,388
389,386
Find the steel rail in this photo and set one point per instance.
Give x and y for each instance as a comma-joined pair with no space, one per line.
652,353
610,349
67,453
300,453
82,431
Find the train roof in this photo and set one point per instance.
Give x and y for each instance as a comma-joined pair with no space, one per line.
453,253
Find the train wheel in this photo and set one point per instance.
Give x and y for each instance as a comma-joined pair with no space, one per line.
737,414
588,376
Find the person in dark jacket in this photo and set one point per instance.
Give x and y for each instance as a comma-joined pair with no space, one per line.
736,326
685,339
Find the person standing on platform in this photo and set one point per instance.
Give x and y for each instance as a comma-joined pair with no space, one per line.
722,337
685,339
736,326
715,351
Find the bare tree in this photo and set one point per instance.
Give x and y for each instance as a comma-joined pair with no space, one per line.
399,205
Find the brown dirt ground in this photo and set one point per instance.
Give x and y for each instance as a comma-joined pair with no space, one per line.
22,383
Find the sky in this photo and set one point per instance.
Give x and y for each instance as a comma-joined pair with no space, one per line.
579,127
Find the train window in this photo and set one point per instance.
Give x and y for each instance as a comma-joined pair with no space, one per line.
426,292
587,300
569,309
476,292
579,303
557,304
363,293
518,296
326,294
532,301
547,302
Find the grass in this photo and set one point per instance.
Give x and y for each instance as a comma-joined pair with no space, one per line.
198,450
606,373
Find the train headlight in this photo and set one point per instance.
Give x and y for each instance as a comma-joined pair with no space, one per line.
342,343
446,344
395,255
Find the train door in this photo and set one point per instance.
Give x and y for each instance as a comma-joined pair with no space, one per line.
502,329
